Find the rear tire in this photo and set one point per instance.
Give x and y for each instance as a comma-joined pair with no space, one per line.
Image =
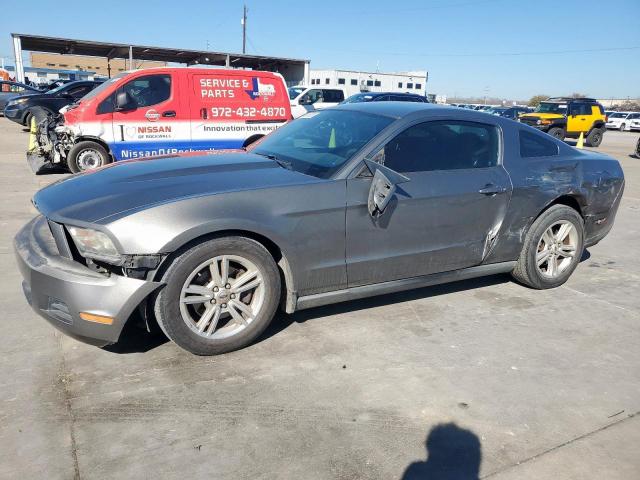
87,155
544,261
194,291
557,132
622,127
594,139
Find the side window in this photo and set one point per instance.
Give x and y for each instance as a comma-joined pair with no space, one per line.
418,86
442,145
377,83
312,96
149,90
341,81
581,109
79,91
533,145
332,96
409,85
354,81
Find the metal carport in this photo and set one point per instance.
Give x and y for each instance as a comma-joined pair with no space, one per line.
294,71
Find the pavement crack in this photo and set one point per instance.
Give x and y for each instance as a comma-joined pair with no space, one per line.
62,384
559,446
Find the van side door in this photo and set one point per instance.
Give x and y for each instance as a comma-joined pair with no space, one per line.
147,118
230,110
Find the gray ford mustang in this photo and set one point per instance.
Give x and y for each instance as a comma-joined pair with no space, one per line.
360,200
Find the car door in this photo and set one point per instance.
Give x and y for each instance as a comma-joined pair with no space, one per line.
445,217
579,118
153,122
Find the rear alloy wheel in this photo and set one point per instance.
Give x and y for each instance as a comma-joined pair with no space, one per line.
622,127
552,248
220,295
594,139
87,155
557,132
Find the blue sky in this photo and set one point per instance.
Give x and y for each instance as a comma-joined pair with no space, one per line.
510,48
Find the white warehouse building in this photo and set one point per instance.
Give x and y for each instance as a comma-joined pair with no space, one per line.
355,82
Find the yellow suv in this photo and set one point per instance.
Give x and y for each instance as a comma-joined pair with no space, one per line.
564,117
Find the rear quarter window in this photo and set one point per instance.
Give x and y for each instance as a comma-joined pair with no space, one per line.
533,145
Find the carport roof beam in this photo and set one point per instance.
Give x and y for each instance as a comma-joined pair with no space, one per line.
39,43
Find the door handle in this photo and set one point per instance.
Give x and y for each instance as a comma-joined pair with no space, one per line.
491,189
169,113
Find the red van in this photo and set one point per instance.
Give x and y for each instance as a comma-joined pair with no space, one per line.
162,111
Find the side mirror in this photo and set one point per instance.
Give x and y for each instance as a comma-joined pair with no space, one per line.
124,101
383,186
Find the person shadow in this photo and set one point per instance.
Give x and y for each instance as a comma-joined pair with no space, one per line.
453,453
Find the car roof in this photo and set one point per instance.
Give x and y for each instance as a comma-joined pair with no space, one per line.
401,109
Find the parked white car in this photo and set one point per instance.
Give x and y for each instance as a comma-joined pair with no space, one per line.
306,99
621,120
635,125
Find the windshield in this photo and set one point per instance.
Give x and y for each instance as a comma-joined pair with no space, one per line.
358,98
103,86
295,91
320,143
57,89
552,108
618,115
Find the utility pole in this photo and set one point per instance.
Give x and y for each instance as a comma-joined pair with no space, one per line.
244,29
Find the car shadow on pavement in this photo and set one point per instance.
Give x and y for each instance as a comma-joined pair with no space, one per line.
136,339
282,321
453,453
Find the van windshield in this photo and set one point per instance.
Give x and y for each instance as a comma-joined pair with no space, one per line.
321,142
104,86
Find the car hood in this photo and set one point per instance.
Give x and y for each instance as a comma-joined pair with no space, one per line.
546,116
129,186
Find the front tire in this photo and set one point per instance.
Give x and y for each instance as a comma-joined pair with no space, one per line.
594,139
552,248
219,296
87,155
557,132
622,127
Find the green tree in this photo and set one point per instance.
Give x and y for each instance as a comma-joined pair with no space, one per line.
536,99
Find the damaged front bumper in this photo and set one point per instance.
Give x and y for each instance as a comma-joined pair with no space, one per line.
60,289
49,143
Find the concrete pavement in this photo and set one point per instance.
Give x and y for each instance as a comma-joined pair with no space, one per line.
505,382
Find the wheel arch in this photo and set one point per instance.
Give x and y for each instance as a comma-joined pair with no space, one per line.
573,201
289,295
98,140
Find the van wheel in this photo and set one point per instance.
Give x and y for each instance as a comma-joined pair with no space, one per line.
219,296
552,248
87,155
622,127
250,140
594,139
557,132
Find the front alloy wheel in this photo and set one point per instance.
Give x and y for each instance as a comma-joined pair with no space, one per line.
222,296
219,295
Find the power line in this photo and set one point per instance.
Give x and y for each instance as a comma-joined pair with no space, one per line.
497,54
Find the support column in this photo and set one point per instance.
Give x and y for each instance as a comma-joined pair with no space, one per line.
17,52
306,74
131,65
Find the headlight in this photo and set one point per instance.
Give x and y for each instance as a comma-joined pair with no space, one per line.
94,244
18,101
